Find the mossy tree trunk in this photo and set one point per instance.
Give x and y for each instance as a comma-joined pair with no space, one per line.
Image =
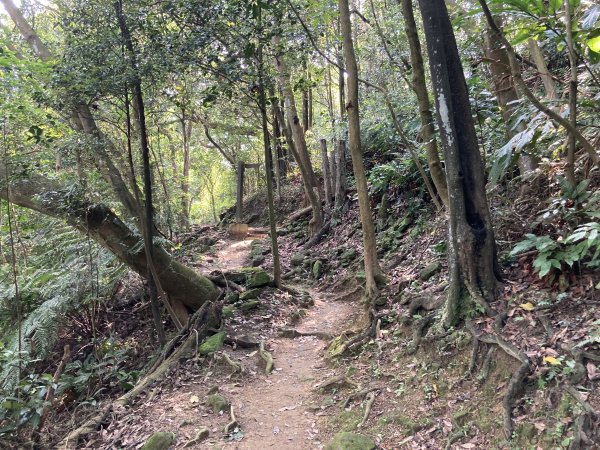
472,258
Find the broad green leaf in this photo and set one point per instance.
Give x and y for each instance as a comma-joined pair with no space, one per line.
594,44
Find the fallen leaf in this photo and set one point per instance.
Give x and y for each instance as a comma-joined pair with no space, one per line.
194,399
592,371
527,306
552,360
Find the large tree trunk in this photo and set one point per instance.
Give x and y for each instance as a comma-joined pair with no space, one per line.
311,182
372,269
420,87
182,284
471,246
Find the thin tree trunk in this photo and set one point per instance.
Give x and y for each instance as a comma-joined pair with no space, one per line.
472,259
420,87
340,179
138,101
327,176
186,129
542,68
570,166
302,157
268,167
372,270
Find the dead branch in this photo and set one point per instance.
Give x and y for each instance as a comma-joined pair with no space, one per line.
361,393
368,406
267,358
232,425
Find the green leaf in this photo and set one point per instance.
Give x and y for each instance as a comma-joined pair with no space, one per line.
594,44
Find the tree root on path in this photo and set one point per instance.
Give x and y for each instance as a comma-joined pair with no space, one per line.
340,379
237,367
517,380
582,428
199,326
361,393
368,406
233,423
241,341
266,357
318,236
292,333
364,336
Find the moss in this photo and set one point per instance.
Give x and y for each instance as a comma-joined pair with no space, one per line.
227,312
250,294
350,441
257,279
346,420
218,402
212,344
159,441
249,305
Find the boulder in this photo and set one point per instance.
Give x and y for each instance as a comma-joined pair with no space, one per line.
212,344
350,441
160,440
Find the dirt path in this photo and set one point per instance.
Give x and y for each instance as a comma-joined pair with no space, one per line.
279,411
276,411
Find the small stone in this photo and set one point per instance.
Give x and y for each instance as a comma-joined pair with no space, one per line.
380,301
350,441
160,440
212,344
297,259
249,305
218,402
317,269
429,271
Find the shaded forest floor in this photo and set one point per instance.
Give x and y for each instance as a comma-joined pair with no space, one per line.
444,393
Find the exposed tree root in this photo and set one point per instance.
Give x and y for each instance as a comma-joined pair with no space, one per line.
485,366
350,294
368,406
365,335
292,333
266,357
204,320
419,329
237,367
318,236
582,428
339,380
517,380
361,393
232,425
222,281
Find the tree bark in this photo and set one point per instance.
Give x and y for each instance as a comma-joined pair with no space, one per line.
571,142
340,179
186,129
372,270
471,246
302,157
542,68
420,87
327,174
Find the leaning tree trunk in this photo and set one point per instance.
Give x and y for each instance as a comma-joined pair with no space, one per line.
183,285
372,269
472,258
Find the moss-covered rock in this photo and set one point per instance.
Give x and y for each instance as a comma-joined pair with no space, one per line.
212,344
249,305
429,271
348,256
227,312
297,259
350,441
160,440
250,294
317,269
217,402
232,297
257,278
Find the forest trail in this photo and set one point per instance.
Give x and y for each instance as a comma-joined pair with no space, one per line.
276,411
